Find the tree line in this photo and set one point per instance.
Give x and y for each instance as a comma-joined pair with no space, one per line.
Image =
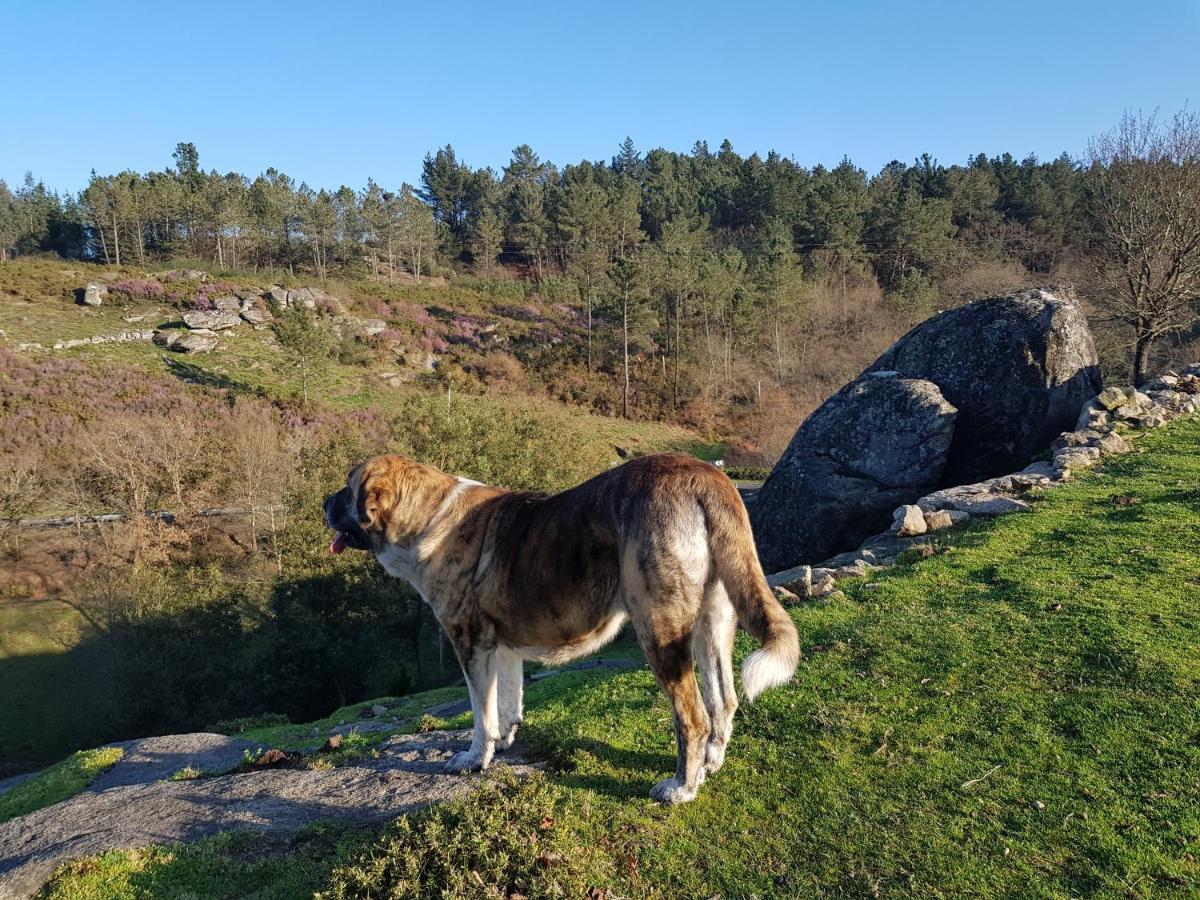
714,237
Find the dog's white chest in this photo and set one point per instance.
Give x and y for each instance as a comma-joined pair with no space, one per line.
400,562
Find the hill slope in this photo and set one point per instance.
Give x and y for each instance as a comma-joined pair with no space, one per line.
1016,715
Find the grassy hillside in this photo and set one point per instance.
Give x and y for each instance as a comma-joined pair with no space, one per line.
38,304
1016,716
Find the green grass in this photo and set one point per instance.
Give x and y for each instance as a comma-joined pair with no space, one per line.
1016,716
228,865
59,782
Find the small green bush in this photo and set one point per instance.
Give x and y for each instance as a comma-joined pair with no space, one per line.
747,473
505,840
245,723
527,448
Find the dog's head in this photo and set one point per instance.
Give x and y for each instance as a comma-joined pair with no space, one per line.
386,499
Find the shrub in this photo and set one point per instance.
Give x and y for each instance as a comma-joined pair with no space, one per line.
411,312
199,302
351,351
506,840
432,342
500,370
557,289
139,289
917,294
535,448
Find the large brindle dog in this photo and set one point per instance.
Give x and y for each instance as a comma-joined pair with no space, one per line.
662,541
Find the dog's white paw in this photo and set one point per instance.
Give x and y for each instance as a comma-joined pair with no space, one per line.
669,792
509,736
466,761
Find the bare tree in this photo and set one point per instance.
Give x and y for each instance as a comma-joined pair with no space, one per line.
130,466
263,465
20,491
1143,196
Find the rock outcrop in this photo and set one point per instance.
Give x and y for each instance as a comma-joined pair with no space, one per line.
880,442
1017,368
253,312
309,298
1107,426
93,294
131,806
211,320
199,340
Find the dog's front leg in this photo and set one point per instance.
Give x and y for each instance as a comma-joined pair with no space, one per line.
480,668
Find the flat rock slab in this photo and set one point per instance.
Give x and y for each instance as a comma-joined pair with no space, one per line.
406,776
367,727
450,708
147,760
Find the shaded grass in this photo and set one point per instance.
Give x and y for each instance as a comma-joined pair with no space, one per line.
53,695
59,782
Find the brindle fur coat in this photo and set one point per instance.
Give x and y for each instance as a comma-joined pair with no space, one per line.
661,541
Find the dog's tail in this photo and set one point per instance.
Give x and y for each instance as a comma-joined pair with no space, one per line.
757,609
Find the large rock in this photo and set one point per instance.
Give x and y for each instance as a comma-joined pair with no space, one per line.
311,297
198,341
879,443
255,315
93,294
211,319
1017,368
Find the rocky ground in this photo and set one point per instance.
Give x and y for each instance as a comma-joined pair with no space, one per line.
132,805
141,800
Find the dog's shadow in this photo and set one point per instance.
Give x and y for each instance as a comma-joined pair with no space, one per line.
646,767
609,767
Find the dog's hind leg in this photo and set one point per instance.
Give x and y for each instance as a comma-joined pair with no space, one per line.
512,686
713,644
672,665
664,629
480,666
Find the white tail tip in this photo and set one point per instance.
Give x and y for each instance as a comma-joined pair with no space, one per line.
762,670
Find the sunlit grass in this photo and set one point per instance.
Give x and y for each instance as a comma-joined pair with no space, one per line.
59,782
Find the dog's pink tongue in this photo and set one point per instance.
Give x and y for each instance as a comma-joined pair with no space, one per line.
339,543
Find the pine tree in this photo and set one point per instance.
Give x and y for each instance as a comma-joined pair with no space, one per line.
487,239
306,343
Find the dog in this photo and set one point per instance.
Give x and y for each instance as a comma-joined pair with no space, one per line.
661,541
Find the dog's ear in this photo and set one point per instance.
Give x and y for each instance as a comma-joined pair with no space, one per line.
377,496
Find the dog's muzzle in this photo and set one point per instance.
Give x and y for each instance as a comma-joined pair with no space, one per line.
340,517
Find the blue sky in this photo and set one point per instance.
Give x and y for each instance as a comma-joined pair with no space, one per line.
331,93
